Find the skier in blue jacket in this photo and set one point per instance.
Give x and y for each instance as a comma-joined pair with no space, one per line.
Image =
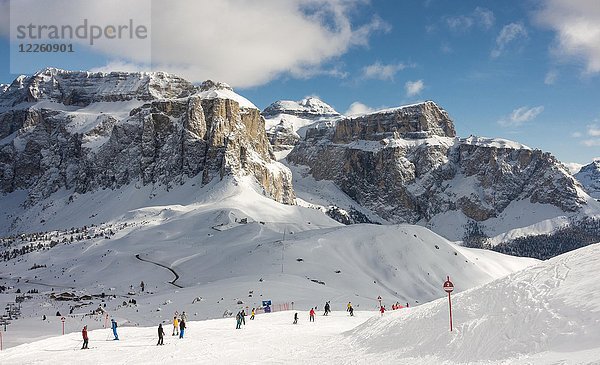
114,328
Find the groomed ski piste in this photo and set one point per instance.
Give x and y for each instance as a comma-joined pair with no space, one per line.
545,314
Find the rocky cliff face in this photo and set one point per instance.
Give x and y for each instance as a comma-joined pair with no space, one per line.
108,130
407,165
589,177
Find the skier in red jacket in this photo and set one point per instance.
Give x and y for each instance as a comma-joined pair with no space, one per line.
85,337
382,309
312,315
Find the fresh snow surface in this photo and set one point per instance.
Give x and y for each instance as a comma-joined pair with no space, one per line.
545,314
226,94
309,106
494,142
297,124
392,110
283,253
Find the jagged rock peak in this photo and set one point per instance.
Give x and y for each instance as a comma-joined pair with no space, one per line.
309,107
214,85
593,167
82,88
589,177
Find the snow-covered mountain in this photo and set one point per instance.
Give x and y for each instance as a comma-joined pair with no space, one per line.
109,179
80,88
287,121
545,314
227,244
589,177
407,165
83,131
308,108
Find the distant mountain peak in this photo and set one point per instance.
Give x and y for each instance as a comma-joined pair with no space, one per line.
589,177
214,85
310,107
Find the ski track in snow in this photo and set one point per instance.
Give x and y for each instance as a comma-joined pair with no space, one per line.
172,282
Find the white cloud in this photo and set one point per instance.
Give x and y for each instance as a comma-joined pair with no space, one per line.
550,77
357,108
414,87
593,130
509,33
591,137
446,49
460,23
573,167
482,17
577,27
520,116
381,71
591,142
243,43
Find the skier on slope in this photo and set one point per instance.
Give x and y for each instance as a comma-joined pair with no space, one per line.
252,314
312,315
161,333
296,318
382,310
327,309
181,328
351,310
184,316
114,328
84,334
243,316
175,326
238,320
142,286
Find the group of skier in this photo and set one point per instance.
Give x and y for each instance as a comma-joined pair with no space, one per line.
312,312
240,318
179,321
179,324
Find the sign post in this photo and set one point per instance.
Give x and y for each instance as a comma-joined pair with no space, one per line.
0,340
449,287
62,319
379,299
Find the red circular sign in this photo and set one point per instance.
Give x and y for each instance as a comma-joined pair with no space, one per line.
448,286
62,319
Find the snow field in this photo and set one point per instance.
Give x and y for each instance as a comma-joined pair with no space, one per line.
270,338
545,314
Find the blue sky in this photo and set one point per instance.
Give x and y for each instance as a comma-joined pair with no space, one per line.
523,70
